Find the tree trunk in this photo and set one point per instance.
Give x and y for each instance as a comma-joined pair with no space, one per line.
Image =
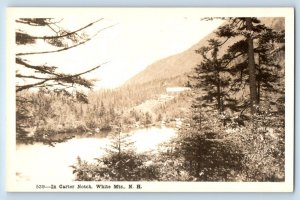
219,96
251,68
217,76
258,80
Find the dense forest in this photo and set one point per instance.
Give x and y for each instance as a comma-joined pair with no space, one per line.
54,113
231,114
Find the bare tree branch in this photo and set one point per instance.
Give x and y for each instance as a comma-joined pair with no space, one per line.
24,87
67,34
52,29
20,61
33,77
58,77
38,68
35,24
66,48
90,69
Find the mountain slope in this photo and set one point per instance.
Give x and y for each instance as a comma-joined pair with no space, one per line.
171,66
184,62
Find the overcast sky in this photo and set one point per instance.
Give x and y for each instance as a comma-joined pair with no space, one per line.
134,42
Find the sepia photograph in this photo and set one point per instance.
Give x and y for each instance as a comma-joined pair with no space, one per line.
150,99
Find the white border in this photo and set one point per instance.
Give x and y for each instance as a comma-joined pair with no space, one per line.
287,186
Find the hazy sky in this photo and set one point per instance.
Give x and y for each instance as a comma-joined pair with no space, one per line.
134,42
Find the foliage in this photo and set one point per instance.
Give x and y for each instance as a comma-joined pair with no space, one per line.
250,58
264,150
233,143
221,139
121,163
253,152
122,167
41,75
46,79
212,73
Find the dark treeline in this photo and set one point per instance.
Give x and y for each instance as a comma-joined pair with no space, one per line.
52,113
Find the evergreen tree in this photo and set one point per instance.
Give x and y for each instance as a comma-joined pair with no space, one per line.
252,63
121,162
102,109
248,59
211,77
269,67
47,78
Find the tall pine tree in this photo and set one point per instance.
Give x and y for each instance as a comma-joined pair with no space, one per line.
250,58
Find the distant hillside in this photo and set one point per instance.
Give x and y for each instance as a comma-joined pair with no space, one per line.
171,66
184,62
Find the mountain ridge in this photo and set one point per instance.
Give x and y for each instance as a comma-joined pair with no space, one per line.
177,64
184,62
